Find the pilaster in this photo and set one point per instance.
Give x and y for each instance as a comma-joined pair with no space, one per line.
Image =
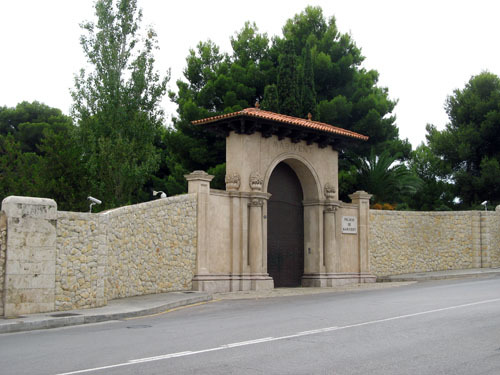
199,183
362,200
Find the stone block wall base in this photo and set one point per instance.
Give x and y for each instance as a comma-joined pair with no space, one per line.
224,283
263,284
326,280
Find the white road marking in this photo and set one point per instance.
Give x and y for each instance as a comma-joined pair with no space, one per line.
269,339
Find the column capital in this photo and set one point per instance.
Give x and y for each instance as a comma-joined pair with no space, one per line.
256,202
331,207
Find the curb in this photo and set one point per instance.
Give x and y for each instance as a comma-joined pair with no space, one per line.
56,322
430,277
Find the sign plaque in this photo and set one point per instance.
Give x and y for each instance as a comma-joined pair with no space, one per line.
349,224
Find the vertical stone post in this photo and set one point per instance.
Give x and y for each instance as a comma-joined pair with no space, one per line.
30,267
255,235
362,200
330,238
485,239
3,251
476,239
330,230
199,183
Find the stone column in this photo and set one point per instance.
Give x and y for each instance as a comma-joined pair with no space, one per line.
30,267
233,182
259,278
255,235
199,183
362,200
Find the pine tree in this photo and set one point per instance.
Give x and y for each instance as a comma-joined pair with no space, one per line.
270,101
308,90
288,81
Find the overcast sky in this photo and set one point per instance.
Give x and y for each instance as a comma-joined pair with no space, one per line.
423,49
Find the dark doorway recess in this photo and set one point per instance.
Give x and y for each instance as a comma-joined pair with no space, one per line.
285,228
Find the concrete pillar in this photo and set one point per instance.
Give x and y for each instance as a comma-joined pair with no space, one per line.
255,235
31,255
362,200
199,183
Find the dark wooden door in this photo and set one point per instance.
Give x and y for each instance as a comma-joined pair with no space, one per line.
285,228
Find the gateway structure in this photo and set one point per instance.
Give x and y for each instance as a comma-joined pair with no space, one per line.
279,222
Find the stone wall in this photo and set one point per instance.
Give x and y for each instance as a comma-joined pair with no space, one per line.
3,251
55,260
151,247
80,267
133,250
405,242
494,245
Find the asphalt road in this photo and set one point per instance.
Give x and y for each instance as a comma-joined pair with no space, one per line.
439,327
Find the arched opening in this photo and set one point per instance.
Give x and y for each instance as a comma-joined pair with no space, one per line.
285,230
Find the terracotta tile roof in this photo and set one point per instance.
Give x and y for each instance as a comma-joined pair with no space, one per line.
266,115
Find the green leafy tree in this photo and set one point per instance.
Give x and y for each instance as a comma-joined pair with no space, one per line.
39,155
312,68
19,171
469,142
63,174
215,83
436,192
347,95
117,103
28,121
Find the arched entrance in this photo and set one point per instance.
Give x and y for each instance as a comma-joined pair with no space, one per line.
285,231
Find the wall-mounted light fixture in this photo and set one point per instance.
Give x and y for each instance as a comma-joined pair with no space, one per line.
162,194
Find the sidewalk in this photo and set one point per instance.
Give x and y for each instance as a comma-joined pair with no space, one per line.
115,310
156,303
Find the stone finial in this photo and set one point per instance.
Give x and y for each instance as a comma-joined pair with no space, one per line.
329,191
256,181
309,116
360,194
198,182
232,181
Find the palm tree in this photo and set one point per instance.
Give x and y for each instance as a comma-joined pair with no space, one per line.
388,179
